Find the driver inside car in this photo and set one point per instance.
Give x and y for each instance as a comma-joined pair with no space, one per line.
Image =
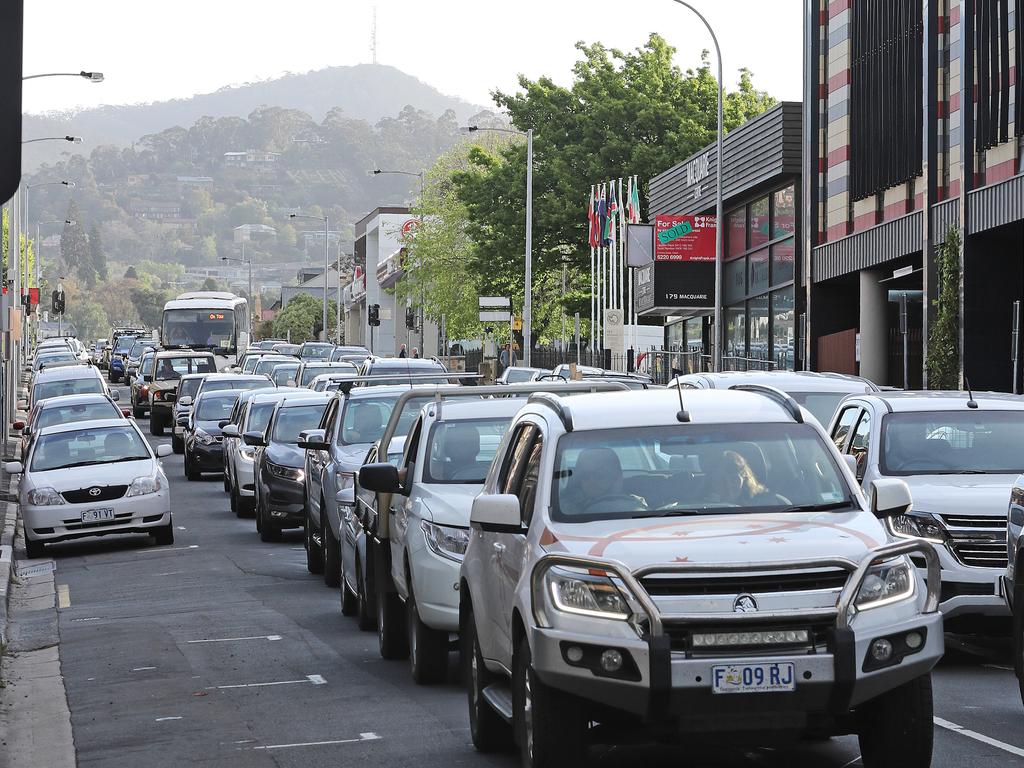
596,485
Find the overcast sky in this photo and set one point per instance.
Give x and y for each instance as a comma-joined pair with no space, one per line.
152,51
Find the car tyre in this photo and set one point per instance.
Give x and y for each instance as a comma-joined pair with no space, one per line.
191,473
331,549
349,599
137,412
177,444
428,648
365,611
268,531
489,731
1018,632
392,639
34,549
896,729
164,536
227,485
156,424
314,553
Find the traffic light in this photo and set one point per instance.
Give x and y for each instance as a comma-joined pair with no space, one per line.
373,314
57,302
410,318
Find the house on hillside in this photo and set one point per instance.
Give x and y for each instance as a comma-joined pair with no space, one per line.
259,233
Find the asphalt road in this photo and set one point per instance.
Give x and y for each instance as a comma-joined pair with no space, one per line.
224,651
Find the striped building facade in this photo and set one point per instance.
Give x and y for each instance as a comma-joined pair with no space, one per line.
910,108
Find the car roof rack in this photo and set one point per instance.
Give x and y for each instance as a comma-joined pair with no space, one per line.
788,404
555,403
408,378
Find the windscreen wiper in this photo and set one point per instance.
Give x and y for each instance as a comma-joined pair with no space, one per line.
825,507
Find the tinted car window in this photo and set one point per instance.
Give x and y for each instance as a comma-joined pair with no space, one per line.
291,421
952,442
92,446
259,416
215,408
66,414
67,387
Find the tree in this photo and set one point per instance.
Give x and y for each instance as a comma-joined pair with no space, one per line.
84,311
74,242
625,113
98,256
131,274
209,284
149,303
303,315
944,336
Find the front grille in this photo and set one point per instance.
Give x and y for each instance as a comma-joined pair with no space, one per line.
977,541
681,635
796,581
84,495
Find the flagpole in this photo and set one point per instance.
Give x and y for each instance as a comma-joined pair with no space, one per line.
590,235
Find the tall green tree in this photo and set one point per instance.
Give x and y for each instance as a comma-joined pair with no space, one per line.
74,242
944,335
149,303
97,256
301,318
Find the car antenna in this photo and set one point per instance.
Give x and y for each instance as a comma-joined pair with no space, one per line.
971,403
683,417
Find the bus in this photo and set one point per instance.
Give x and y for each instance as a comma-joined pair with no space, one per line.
208,320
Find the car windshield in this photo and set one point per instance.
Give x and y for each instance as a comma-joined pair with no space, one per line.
218,385
104,445
215,408
365,419
124,343
199,329
266,366
518,375
60,387
169,368
259,416
283,373
462,451
66,414
294,419
952,443
694,470
316,351
310,372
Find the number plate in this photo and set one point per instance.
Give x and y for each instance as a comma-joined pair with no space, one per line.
181,430
97,515
753,678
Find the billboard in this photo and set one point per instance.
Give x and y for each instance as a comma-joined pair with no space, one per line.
666,287
684,238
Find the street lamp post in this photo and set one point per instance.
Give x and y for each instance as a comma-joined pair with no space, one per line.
92,77
24,217
718,337
327,257
72,139
528,268
248,261
39,259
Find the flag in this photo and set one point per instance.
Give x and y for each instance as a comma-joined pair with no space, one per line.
602,216
633,205
592,219
612,209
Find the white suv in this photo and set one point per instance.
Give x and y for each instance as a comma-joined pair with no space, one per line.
699,563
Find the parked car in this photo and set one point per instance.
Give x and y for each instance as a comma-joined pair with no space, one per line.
65,409
46,357
278,464
202,437
315,350
168,368
92,478
959,454
652,566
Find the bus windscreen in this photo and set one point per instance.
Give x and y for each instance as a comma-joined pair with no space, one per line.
211,329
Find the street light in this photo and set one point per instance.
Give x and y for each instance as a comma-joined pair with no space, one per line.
72,139
528,271
248,261
92,77
327,256
719,222
24,209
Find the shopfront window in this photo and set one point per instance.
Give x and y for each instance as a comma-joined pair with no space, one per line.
757,282
735,280
736,233
695,334
736,332
784,212
759,224
783,261
760,333
784,328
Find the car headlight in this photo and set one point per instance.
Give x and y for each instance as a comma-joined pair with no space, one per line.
286,473
886,583
247,453
203,437
445,540
44,497
585,594
345,480
917,525
144,485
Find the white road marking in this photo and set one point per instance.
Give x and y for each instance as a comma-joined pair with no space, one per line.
63,596
998,666
182,527
362,737
314,679
170,573
165,719
855,760
979,737
142,669
89,618
234,639
170,549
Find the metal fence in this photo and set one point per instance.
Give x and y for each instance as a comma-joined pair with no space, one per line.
661,365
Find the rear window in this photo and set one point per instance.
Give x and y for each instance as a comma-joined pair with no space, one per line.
124,343
316,351
240,385
462,451
310,372
284,373
66,414
215,408
169,368
67,387
259,416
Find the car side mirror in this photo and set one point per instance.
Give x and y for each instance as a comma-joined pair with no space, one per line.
170,397
254,439
229,430
146,377
222,423
185,402
13,467
19,424
497,513
380,478
851,463
313,440
115,395
163,450
890,498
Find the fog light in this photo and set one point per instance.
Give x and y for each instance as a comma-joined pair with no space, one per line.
881,649
611,660
278,513
574,654
913,640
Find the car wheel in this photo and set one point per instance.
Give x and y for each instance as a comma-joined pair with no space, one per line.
365,612
191,473
156,424
331,549
550,726
314,555
227,485
137,412
392,639
34,549
488,729
896,728
1018,635
177,445
428,648
235,508
268,531
349,600
164,536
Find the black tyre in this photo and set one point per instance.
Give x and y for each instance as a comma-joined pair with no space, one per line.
191,473
156,424
489,731
331,549
1018,633
428,648
34,549
164,536
314,553
392,639
896,729
227,485
366,611
177,444
137,412
349,600
268,531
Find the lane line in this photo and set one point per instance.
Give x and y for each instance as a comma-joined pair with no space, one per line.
63,596
142,669
89,618
362,737
979,737
271,638
165,719
314,679
169,549
855,760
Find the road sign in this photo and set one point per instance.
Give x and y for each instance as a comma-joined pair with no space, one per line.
495,316
494,301
517,323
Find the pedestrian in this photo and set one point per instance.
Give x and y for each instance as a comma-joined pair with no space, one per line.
401,351
503,357
415,353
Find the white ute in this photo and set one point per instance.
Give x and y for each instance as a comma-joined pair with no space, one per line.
692,565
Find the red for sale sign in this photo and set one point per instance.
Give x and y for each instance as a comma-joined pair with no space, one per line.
684,238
